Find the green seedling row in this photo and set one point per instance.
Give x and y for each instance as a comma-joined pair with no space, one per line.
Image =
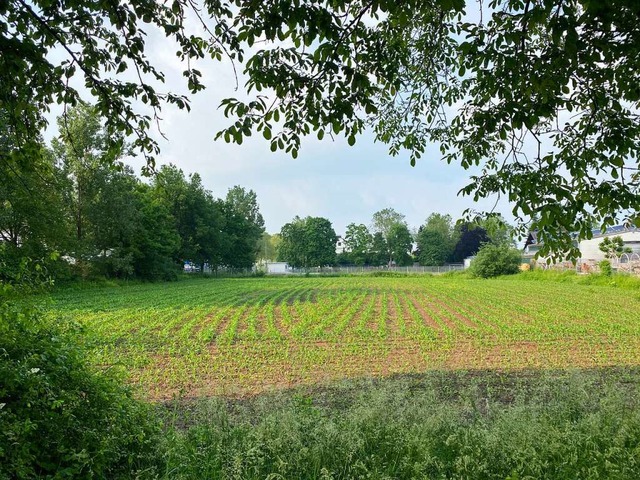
203,336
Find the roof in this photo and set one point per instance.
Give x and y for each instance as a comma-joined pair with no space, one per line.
532,238
615,230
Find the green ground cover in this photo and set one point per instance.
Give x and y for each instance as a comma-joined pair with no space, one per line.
534,376
234,337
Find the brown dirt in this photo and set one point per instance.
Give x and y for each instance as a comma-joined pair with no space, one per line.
426,317
374,322
437,303
226,320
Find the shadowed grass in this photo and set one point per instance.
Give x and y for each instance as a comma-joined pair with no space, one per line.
485,425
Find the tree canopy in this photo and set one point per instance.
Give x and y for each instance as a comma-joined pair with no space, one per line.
73,206
541,95
436,240
358,243
308,242
613,247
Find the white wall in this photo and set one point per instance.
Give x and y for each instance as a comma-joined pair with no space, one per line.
277,267
591,248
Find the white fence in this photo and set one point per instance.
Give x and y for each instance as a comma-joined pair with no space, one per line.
414,269
343,270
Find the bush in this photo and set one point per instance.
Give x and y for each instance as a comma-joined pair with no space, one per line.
493,260
605,268
58,417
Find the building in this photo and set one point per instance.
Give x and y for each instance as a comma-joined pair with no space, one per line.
590,249
277,268
341,246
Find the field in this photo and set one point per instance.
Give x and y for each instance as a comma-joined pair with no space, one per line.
234,337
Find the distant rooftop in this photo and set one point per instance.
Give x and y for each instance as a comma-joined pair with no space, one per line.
532,239
616,229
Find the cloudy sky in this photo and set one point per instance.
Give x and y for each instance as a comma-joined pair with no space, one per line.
329,178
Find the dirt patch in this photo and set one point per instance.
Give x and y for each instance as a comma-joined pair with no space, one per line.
373,323
428,321
438,303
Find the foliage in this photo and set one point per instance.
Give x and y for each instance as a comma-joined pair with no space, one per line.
101,47
244,227
269,245
358,243
75,203
613,247
605,268
399,66
498,230
59,417
400,243
392,241
628,282
84,158
561,426
198,216
383,220
379,250
470,238
435,240
308,242
418,60
155,241
494,260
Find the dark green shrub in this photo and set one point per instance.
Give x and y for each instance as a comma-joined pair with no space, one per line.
59,418
605,268
494,260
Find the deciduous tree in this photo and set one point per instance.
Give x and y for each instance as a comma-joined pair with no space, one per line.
308,242
384,220
470,238
541,95
435,240
613,247
244,227
358,242
400,243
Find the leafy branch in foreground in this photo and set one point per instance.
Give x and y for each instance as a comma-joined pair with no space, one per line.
541,95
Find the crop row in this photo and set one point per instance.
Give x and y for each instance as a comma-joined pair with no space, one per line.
200,334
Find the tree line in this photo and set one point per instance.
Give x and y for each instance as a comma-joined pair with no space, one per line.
72,207
311,241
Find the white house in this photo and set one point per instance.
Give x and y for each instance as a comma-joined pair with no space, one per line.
341,246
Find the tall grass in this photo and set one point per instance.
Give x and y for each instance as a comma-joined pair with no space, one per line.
561,426
620,280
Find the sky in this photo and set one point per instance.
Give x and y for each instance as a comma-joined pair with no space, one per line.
328,179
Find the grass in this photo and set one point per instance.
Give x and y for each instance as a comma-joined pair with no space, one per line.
620,280
234,337
523,377
480,425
